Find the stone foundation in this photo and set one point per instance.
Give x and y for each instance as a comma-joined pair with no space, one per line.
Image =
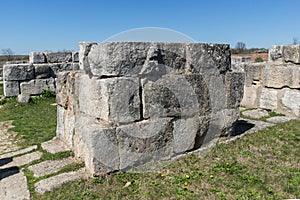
28,79
274,85
135,103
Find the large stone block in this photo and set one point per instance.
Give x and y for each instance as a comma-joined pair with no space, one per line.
84,49
291,53
58,57
276,54
18,72
254,74
75,57
251,96
282,76
11,88
36,86
144,141
291,101
175,96
37,57
268,99
116,100
234,89
42,71
61,67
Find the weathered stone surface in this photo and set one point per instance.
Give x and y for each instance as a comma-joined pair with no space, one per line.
276,53
282,76
144,141
53,182
84,49
42,71
217,89
280,119
234,89
58,57
11,88
176,95
54,146
268,99
291,53
18,72
23,160
37,57
36,86
61,67
256,114
291,101
14,186
254,74
23,98
15,153
50,166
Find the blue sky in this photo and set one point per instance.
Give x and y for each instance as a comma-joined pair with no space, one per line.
40,25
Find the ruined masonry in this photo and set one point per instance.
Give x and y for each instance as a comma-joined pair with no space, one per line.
274,85
29,79
133,104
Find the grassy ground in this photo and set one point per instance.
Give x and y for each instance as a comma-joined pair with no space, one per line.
34,122
1,89
263,165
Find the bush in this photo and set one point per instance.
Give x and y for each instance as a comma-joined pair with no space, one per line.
259,59
48,93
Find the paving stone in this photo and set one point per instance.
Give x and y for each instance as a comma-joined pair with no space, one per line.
14,187
8,142
56,181
279,119
256,114
15,153
54,146
23,160
50,166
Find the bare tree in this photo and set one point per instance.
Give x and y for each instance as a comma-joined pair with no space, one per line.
8,53
240,47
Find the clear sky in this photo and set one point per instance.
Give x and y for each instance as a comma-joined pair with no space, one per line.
40,25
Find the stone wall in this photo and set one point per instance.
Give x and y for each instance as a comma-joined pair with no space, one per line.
274,85
27,79
135,103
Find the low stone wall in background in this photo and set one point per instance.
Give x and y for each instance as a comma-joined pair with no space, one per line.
136,103
28,79
274,85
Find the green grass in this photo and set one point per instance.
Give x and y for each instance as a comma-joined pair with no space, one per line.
1,89
34,122
264,165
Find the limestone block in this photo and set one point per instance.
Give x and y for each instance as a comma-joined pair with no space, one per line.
251,96
42,71
36,86
23,98
58,57
37,57
84,49
282,76
276,53
291,101
144,141
188,132
175,95
61,89
75,57
291,53
211,59
117,58
254,74
11,88
268,99
234,89
60,67
18,72
217,92
65,128
115,100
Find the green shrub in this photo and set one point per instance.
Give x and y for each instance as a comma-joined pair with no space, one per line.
48,93
259,59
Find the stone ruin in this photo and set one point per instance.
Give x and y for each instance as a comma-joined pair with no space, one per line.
133,104
274,85
30,79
